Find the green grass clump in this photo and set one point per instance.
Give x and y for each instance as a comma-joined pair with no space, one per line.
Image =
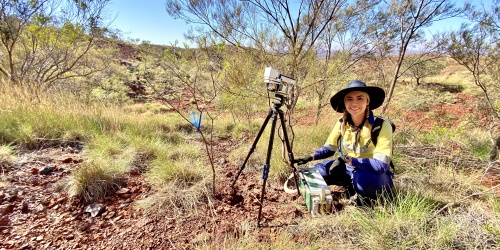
226,127
399,223
148,108
7,157
183,164
94,180
392,224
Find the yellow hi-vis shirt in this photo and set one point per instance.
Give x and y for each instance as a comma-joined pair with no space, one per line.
382,152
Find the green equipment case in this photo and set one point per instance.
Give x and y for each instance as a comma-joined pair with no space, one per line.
316,193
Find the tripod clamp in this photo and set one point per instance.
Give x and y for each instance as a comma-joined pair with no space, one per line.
274,112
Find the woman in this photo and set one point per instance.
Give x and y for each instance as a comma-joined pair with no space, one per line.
363,167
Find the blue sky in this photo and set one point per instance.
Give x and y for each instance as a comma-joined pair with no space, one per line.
148,20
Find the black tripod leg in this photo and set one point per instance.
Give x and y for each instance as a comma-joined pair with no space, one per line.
253,145
267,166
289,149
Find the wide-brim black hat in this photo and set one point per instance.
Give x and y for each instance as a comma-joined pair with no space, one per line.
377,95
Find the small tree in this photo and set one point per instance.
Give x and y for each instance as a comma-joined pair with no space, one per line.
408,19
191,83
471,47
43,42
419,68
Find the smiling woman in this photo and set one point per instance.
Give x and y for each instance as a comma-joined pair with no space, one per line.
363,166
147,21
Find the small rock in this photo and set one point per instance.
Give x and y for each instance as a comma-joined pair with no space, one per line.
94,209
12,198
67,160
25,246
35,182
219,209
4,221
39,238
110,215
7,209
126,196
45,202
25,207
123,205
46,170
62,200
69,150
123,191
136,189
134,172
118,218
39,209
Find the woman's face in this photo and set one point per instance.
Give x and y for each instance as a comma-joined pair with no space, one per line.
356,103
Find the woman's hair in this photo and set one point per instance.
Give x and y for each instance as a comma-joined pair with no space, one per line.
344,122
364,93
367,96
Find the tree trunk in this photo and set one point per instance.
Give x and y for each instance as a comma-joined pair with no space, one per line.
391,88
495,151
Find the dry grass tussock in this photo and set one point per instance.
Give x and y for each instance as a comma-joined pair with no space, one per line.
179,198
7,157
93,182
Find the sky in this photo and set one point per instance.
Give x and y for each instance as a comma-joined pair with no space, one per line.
148,20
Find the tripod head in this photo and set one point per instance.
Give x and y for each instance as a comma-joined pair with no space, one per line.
281,85
280,99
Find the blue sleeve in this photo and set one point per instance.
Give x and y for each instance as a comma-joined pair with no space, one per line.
322,153
375,165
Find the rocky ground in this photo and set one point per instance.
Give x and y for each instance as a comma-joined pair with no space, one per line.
35,216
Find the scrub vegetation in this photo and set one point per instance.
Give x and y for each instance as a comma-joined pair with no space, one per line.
181,119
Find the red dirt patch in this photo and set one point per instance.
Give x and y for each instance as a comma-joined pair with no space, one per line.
445,115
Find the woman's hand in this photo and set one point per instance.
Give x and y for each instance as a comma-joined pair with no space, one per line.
348,159
303,160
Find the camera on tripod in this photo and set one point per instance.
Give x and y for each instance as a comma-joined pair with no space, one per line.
280,84
282,87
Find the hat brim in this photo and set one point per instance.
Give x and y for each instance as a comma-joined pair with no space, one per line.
377,97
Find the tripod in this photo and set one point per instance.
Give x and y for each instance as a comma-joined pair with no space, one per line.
274,112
